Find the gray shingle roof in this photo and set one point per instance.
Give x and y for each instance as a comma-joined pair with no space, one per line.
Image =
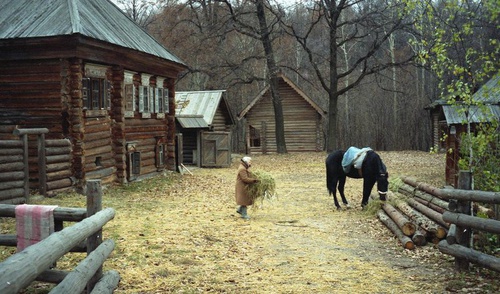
198,103
488,95
97,19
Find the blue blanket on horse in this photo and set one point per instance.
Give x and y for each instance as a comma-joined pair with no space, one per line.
354,157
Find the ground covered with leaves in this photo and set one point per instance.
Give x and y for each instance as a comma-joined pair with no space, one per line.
181,234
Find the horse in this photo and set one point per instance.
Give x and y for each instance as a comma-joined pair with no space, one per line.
372,170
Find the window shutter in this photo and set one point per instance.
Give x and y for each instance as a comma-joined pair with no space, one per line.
157,100
141,98
151,99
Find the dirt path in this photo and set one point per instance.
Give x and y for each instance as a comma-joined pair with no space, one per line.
296,243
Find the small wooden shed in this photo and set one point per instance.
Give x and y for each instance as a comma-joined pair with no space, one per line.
86,72
449,121
303,119
204,124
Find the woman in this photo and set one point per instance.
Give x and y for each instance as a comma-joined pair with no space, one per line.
243,179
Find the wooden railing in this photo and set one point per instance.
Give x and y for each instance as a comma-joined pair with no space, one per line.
34,262
458,242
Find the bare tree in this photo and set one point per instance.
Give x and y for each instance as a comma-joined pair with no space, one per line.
141,11
370,25
263,32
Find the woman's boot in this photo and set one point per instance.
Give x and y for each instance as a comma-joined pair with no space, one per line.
243,212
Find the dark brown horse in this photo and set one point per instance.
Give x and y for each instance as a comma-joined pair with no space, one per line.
372,170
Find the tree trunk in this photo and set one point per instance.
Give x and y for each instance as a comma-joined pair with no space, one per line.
273,78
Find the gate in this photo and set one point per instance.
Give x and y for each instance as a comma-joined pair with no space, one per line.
215,149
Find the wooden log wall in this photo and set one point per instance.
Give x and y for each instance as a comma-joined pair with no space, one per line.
99,161
220,123
26,85
59,176
12,177
145,133
302,121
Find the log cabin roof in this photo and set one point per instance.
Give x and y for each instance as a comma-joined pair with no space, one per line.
488,95
260,95
97,19
193,104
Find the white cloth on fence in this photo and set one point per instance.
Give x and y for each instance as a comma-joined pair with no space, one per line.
354,157
33,224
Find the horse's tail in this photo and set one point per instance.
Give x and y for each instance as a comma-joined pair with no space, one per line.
330,173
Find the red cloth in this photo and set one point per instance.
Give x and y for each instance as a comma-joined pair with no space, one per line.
33,224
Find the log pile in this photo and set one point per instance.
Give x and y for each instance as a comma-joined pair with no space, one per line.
415,216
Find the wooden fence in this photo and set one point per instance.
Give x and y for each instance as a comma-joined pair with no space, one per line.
458,218
41,164
33,263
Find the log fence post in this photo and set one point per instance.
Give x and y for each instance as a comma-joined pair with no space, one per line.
463,235
94,205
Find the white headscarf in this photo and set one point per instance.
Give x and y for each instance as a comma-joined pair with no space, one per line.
246,159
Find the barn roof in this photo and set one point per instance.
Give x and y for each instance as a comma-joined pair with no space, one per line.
260,95
97,19
193,105
488,95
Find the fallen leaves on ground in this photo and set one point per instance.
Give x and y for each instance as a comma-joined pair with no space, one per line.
181,234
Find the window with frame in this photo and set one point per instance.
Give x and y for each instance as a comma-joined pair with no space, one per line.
96,93
144,104
161,100
153,99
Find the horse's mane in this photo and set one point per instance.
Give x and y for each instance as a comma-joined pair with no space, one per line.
381,166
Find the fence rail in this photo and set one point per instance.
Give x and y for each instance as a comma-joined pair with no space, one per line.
34,262
462,223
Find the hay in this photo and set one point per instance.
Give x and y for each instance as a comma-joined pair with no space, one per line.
265,188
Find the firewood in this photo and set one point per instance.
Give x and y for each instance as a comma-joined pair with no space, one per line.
421,220
412,191
420,237
391,225
432,214
429,204
424,187
407,227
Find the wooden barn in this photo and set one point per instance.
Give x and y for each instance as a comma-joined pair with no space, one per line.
303,119
450,122
81,71
204,123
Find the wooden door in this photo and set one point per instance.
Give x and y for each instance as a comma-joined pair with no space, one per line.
215,149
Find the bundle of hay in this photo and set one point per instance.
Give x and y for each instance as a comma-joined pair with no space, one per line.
265,188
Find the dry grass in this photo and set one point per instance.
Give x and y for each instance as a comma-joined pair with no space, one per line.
181,234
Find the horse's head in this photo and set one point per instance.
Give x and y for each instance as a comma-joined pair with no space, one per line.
382,184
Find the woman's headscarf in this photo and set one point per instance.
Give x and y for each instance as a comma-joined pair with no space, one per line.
246,159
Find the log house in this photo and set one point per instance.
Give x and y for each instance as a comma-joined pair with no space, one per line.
303,119
88,73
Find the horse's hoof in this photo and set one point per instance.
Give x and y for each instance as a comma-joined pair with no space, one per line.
339,208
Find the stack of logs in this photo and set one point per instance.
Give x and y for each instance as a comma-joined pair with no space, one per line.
417,216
